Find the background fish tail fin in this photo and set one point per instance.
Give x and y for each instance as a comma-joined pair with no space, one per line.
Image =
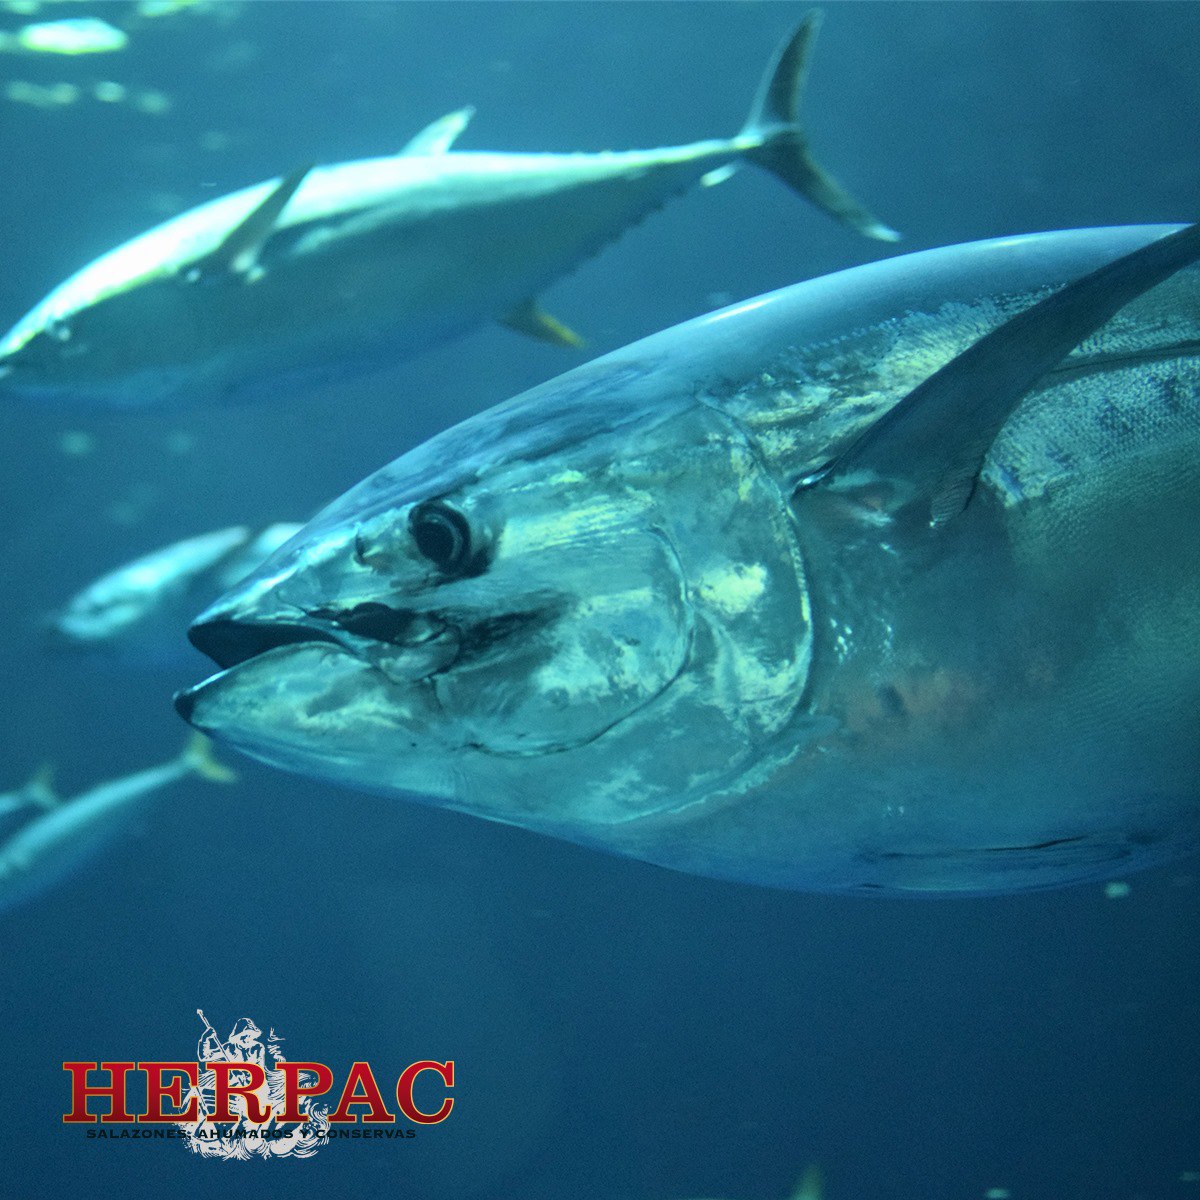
40,788
198,756
775,138
811,1185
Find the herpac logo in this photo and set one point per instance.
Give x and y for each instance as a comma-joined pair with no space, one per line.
243,1097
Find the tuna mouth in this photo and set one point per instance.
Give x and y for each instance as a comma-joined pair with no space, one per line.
231,643
398,647
375,632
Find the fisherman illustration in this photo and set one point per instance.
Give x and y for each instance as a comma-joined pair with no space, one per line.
242,1045
247,1138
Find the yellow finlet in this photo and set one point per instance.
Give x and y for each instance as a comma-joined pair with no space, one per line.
199,757
719,174
530,319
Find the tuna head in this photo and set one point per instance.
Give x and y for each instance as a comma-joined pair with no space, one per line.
111,335
564,622
156,318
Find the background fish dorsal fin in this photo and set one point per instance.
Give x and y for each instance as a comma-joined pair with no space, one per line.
438,137
932,444
238,247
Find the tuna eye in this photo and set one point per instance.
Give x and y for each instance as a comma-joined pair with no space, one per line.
442,535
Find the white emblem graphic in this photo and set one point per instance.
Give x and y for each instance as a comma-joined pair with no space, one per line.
246,1138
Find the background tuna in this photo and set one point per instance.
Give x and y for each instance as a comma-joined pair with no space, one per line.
621,1031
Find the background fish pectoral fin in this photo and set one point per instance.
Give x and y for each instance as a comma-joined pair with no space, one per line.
531,319
237,250
930,447
438,136
199,758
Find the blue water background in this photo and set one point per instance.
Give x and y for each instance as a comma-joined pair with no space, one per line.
621,1032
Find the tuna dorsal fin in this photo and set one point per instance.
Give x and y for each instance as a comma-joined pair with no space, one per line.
238,247
529,318
932,444
439,136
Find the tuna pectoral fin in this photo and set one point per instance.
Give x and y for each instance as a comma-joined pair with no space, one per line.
932,444
238,247
774,138
536,322
438,137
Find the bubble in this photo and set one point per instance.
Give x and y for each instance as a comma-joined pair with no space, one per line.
76,442
38,95
63,93
76,35
152,102
108,92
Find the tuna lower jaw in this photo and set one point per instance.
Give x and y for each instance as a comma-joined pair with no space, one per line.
302,699
322,711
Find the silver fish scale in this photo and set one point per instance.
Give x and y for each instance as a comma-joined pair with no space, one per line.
1130,390
1086,425
811,402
